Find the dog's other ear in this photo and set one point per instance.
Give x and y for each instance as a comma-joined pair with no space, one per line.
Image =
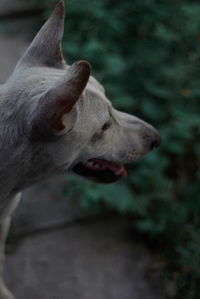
45,50
59,100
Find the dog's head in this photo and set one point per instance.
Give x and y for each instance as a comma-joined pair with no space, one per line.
68,122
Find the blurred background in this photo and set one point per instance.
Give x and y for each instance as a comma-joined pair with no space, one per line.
140,237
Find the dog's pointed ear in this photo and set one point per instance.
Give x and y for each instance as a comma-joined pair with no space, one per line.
58,101
45,50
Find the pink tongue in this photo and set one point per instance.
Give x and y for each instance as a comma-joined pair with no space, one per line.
124,172
117,168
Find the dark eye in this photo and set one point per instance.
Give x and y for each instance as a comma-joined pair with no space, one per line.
106,125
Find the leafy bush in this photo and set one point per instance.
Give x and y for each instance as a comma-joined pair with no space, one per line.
147,55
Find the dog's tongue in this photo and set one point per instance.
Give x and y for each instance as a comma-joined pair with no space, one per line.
118,169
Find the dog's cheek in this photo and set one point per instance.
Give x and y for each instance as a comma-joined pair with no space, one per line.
97,137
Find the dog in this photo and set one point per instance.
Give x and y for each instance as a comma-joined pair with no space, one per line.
56,118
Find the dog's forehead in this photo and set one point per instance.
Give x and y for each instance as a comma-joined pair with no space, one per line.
96,92
36,80
94,107
95,83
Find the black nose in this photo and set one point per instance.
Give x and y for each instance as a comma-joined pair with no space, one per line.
156,140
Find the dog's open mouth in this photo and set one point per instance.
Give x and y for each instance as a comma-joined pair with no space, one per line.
101,171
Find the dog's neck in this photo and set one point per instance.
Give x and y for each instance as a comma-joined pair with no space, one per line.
21,162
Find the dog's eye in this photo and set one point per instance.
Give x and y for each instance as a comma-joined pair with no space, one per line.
106,125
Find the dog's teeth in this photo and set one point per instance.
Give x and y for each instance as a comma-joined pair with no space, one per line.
93,165
118,172
90,164
96,165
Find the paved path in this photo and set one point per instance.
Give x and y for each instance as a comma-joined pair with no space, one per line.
11,48
87,260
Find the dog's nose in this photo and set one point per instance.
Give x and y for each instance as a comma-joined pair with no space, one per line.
156,140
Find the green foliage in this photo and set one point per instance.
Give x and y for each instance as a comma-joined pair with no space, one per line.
147,55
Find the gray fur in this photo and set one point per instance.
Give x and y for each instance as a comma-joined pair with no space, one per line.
33,147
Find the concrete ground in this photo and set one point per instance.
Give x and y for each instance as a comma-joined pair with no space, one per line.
86,260
54,255
11,48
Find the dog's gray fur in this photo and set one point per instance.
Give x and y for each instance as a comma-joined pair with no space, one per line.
51,117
